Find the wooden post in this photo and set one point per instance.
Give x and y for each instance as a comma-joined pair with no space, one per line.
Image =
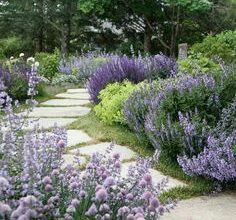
183,51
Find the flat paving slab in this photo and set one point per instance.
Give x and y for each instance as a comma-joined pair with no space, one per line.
75,137
157,176
51,112
81,90
219,207
74,96
47,123
125,152
65,102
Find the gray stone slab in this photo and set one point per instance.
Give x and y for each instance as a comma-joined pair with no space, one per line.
69,159
219,207
74,96
76,137
71,91
47,123
51,112
157,176
65,102
125,152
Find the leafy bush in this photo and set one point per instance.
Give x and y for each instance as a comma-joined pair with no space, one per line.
197,63
153,110
18,87
34,185
15,75
113,97
132,69
181,94
49,64
11,46
222,45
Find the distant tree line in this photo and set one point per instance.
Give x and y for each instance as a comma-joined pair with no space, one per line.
148,25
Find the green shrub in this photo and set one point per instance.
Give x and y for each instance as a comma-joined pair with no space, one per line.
11,46
113,97
48,64
205,102
197,63
18,87
222,45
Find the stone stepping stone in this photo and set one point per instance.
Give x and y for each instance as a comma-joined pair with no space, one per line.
69,159
219,207
157,176
77,137
71,91
125,152
65,102
74,96
51,112
47,123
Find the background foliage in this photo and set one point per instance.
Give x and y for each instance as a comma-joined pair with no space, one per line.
150,26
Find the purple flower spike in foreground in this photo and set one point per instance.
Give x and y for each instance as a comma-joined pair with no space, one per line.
35,184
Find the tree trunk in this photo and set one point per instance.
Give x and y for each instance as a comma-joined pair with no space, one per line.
68,17
41,26
64,45
147,37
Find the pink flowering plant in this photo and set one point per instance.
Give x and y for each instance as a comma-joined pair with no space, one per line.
35,185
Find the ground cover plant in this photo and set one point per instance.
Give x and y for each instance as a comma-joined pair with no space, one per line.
34,185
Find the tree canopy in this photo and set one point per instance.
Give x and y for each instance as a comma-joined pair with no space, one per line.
149,26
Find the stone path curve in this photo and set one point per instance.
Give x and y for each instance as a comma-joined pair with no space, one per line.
64,110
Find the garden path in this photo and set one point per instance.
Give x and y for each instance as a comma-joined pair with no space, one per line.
64,110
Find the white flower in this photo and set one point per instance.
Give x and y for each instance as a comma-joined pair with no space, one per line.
21,55
36,64
11,58
30,59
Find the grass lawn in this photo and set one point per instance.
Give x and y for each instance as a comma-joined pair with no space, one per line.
122,135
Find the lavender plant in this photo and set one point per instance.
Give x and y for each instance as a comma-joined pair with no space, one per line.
135,69
34,184
217,160
137,105
15,75
181,94
82,67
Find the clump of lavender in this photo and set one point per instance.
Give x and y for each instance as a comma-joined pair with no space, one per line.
163,67
143,106
217,160
137,106
82,67
15,76
135,69
34,184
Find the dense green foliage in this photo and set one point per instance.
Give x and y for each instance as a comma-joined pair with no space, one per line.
196,63
151,26
11,46
222,45
48,64
113,97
